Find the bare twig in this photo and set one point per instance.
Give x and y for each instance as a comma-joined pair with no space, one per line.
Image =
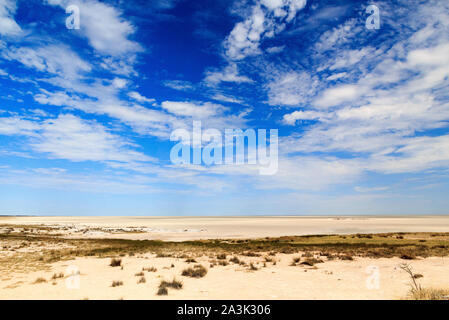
408,269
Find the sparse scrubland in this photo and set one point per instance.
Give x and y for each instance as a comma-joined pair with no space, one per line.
37,253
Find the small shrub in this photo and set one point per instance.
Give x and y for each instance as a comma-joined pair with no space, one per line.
190,260
223,263
198,271
117,283
163,255
40,280
252,267
142,280
57,276
221,256
251,254
307,255
174,284
115,262
139,274
162,291
235,260
149,269
311,262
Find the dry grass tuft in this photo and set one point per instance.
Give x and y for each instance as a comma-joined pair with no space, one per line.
223,263
150,269
164,255
198,271
221,256
40,280
164,285
295,260
419,293
162,291
57,276
117,283
235,260
429,294
141,280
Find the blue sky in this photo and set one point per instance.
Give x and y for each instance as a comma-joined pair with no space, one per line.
86,115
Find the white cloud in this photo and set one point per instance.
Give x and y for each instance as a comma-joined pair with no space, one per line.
337,95
119,83
55,59
336,76
72,138
195,110
104,27
221,97
291,118
291,88
138,97
384,116
267,18
349,58
178,85
69,137
229,74
275,49
338,36
17,126
8,26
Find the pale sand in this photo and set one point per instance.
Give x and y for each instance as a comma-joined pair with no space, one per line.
191,228
332,280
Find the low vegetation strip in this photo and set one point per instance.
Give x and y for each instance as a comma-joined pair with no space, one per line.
402,245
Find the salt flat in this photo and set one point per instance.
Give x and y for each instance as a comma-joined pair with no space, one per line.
193,228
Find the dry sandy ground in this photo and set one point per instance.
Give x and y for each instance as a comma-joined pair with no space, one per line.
334,279
189,228
331,280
